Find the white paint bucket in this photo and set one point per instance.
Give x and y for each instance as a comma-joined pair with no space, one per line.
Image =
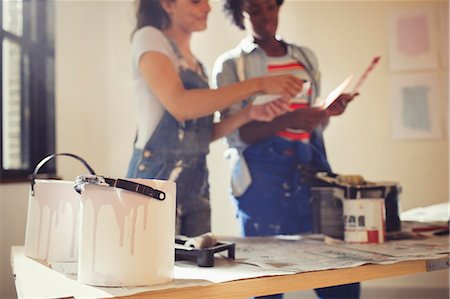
127,239
364,220
52,220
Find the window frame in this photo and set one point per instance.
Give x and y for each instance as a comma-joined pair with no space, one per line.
38,95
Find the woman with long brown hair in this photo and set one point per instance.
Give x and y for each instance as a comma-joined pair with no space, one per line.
175,105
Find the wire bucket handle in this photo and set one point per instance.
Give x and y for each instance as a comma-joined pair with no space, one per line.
48,158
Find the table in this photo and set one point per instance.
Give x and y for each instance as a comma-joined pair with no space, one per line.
302,281
33,278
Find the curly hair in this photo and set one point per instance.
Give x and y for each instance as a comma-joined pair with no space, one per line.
234,9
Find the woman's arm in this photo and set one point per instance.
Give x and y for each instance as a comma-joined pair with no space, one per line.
263,113
305,118
225,73
184,104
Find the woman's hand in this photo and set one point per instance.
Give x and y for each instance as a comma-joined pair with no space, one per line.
307,118
287,86
262,113
268,111
338,107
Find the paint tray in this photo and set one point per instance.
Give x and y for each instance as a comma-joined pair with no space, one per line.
203,257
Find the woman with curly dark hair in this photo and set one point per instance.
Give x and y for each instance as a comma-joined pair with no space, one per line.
268,183
175,105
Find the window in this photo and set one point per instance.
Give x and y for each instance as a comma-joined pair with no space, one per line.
27,87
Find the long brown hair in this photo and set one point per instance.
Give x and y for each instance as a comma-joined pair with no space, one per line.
151,13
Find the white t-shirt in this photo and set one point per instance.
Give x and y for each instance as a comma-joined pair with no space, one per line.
149,108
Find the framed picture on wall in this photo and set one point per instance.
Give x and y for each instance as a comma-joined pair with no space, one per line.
416,106
412,38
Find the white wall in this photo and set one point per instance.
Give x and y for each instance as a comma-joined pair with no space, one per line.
96,112
96,117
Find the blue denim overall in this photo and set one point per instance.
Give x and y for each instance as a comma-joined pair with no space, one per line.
277,200
177,151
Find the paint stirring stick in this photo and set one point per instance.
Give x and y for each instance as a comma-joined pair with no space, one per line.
365,74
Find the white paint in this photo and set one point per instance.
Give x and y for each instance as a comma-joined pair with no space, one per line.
52,221
127,238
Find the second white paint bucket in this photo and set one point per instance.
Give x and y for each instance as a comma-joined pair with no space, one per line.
127,238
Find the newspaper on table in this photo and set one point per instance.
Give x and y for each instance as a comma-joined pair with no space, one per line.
255,257
309,253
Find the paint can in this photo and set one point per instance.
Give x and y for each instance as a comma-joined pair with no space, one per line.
364,220
127,238
53,217
327,211
390,192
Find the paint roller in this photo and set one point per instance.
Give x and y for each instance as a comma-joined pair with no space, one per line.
200,242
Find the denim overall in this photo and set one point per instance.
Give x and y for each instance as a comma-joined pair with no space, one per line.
177,151
278,200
